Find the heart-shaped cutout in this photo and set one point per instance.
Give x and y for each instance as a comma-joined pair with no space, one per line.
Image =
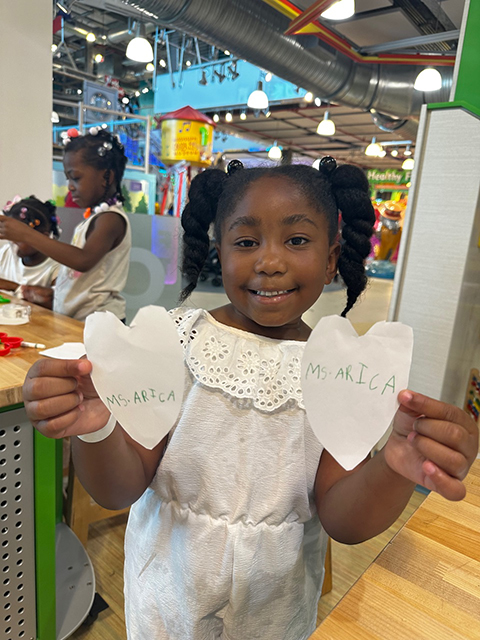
350,384
138,371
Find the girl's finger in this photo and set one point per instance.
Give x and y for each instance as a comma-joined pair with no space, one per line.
439,481
59,426
418,404
452,462
449,434
49,408
47,387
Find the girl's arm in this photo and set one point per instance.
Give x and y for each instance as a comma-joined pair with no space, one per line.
8,285
432,444
109,230
60,401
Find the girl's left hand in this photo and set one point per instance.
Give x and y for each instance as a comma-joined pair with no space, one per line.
433,444
14,230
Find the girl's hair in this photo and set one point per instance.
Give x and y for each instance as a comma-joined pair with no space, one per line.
37,214
102,151
214,194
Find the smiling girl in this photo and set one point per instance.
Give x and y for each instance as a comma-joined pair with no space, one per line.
227,534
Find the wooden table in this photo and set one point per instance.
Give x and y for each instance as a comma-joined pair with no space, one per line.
425,585
49,328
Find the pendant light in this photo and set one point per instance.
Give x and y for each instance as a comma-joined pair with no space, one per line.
326,127
258,99
139,48
340,10
275,152
374,149
428,80
408,164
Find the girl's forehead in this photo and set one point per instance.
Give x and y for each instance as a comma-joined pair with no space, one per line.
73,159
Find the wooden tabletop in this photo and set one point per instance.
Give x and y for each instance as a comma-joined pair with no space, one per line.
49,328
425,585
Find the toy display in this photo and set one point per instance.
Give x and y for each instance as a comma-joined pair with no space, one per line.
386,239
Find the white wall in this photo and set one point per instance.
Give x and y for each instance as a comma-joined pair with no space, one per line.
26,102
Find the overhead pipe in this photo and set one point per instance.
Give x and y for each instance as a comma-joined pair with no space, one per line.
253,30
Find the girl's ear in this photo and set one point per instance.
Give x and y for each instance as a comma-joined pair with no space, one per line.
332,261
111,177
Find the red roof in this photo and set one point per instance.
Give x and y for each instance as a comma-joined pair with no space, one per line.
186,113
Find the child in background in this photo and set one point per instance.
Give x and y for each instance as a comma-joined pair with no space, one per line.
22,266
228,532
95,265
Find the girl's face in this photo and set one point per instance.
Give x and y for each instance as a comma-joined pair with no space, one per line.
85,183
276,259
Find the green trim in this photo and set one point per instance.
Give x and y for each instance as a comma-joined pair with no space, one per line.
45,518
12,407
467,88
457,104
59,481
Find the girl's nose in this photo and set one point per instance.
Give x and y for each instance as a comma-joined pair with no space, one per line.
270,261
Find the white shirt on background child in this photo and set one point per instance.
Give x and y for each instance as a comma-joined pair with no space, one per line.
12,268
77,294
226,542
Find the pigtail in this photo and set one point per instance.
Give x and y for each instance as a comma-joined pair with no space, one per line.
351,189
199,213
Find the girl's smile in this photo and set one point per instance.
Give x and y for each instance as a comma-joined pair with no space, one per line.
276,259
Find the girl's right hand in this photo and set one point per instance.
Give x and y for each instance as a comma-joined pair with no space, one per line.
60,398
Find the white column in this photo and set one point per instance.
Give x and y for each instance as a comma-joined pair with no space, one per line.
26,101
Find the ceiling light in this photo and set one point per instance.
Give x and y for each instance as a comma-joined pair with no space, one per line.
374,149
145,90
137,93
162,63
308,97
203,80
243,116
125,100
407,151
341,10
258,99
326,127
382,153
394,152
139,48
79,91
54,47
408,164
98,57
428,80
150,67
228,116
275,152
318,102
316,163
216,117
268,113
55,117
268,76
90,37
188,63
226,52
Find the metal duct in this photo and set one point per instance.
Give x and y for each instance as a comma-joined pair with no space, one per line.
252,30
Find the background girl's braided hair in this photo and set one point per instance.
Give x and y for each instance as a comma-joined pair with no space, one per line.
214,194
37,214
102,151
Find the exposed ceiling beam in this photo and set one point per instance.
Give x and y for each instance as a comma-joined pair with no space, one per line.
406,43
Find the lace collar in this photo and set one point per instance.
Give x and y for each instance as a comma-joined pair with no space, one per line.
261,371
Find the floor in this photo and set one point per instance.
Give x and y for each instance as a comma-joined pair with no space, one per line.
105,544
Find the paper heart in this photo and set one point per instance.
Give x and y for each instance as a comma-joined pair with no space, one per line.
138,371
350,384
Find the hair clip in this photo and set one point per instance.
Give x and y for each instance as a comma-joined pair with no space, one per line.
94,130
233,166
11,202
327,166
22,215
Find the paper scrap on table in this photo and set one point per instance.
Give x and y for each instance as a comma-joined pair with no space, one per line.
138,371
66,351
350,384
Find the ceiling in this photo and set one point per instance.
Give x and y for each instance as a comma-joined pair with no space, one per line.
375,29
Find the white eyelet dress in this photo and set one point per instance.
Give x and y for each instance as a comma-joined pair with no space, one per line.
226,542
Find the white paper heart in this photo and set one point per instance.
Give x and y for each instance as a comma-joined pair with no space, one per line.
350,384
138,371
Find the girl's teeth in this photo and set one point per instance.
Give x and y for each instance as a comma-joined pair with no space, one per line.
270,294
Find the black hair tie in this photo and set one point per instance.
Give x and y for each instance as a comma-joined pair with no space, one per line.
327,166
233,166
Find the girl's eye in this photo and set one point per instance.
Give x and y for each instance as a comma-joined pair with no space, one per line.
298,241
245,243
